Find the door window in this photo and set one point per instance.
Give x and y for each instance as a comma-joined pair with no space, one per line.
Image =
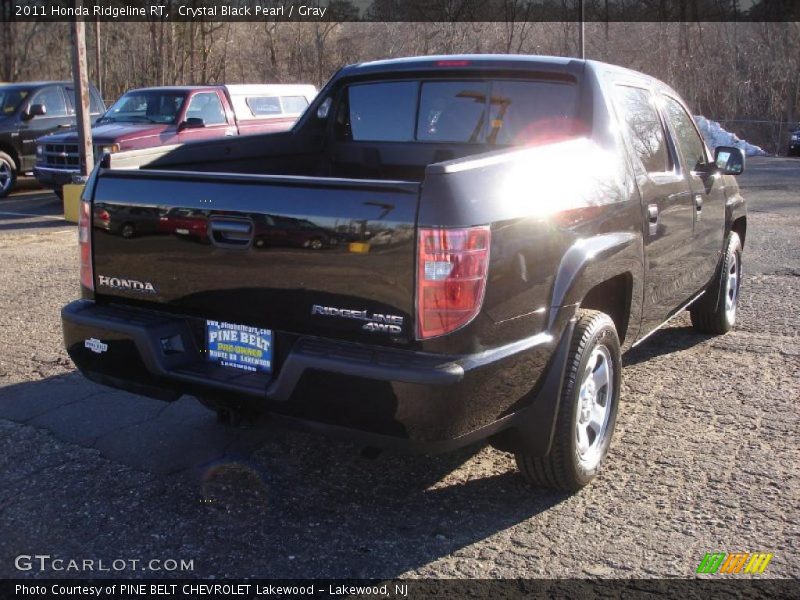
207,106
644,127
689,141
53,101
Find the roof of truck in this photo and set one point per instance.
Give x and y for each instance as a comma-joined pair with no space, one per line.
506,61
175,88
34,83
259,88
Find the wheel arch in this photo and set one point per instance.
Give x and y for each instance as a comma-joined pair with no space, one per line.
603,273
8,149
613,297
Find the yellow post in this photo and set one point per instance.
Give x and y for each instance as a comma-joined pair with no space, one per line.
72,201
359,247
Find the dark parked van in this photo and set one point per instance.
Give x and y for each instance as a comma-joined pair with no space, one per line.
29,111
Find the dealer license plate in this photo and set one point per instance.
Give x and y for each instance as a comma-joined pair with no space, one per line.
239,346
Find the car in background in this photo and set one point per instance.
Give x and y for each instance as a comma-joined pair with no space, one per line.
165,116
289,232
185,222
794,142
29,111
126,222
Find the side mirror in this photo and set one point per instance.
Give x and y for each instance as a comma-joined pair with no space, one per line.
34,110
729,160
324,108
192,123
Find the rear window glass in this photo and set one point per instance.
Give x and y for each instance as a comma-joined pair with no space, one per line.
453,111
532,112
383,112
501,112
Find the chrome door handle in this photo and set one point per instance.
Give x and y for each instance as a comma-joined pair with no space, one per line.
652,218
231,233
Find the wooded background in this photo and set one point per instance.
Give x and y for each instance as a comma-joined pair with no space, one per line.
744,74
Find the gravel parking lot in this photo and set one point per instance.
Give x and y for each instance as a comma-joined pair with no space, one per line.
704,459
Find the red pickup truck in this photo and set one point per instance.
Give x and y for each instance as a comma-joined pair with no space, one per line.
165,116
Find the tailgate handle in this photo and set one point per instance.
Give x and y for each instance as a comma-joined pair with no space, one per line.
231,233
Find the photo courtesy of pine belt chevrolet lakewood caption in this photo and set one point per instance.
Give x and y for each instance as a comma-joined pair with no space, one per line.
441,250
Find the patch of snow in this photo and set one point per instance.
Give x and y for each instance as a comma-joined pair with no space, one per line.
715,136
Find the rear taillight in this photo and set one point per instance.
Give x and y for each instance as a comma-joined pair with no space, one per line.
103,215
451,278
85,243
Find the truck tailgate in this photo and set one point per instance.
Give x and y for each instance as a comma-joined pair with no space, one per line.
299,254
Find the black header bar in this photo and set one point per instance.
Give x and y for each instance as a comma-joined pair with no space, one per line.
402,10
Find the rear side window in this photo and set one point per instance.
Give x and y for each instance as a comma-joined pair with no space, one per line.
264,106
95,103
644,127
294,105
382,112
689,141
501,112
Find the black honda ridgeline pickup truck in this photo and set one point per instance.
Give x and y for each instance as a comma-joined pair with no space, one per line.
493,232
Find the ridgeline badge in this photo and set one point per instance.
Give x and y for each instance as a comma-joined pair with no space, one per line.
375,322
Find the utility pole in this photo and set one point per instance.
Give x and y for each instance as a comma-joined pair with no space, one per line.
97,63
81,80
581,40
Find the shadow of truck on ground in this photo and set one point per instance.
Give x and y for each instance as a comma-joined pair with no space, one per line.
155,478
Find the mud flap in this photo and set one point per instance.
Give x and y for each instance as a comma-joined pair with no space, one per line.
532,432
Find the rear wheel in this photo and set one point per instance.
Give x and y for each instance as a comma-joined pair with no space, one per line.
8,174
587,410
128,231
715,312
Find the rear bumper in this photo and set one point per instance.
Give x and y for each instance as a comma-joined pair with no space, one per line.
382,397
53,178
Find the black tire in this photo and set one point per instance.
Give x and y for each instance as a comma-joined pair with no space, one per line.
566,468
127,231
715,312
8,174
